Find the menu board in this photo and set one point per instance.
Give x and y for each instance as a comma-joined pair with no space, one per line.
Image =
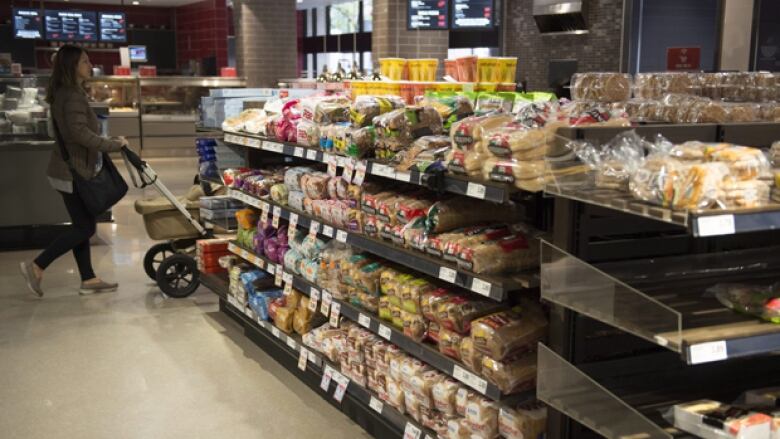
71,26
473,14
428,14
27,23
112,27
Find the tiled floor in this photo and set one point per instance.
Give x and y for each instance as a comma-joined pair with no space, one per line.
132,364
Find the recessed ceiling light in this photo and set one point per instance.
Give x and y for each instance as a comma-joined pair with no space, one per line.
136,3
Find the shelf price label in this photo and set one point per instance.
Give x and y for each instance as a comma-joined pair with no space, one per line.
385,332
327,375
277,215
244,254
447,274
273,147
364,320
311,154
707,352
288,288
412,431
341,236
278,275
333,164
469,379
287,278
341,387
327,298
275,331
376,405
335,310
314,297
303,358
264,208
327,231
716,225
360,173
291,343
479,286
476,190
314,228
270,269
293,227
298,151
349,170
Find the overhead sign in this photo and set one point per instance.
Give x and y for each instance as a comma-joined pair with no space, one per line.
683,58
428,14
472,14
27,23
113,27
71,26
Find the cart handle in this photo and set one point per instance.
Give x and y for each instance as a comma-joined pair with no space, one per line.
137,167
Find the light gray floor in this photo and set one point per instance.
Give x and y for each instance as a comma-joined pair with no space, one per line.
131,364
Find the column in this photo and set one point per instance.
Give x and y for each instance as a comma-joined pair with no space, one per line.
390,38
266,41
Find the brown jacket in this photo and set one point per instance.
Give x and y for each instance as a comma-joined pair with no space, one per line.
79,128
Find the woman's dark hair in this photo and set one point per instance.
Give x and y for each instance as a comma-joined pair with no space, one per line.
65,61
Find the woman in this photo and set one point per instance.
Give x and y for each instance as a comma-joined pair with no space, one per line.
78,127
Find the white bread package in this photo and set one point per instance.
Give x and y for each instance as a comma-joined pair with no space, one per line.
482,418
528,422
443,393
458,429
714,420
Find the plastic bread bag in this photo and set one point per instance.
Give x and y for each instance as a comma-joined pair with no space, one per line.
482,418
366,108
471,357
462,398
410,368
458,428
315,185
307,133
500,102
509,254
601,87
699,186
367,278
506,333
469,133
433,420
511,375
756,300
525,175
280,193
449,343
361,142
408,159
744,163
654,180
453,213
336,186
395,395
284,319
524,422
745,193
411,293
421,386
518,141
415,326
295,200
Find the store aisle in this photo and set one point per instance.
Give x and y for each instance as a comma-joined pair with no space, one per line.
131,364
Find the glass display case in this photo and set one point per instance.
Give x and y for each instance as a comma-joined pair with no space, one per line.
120,94
22,106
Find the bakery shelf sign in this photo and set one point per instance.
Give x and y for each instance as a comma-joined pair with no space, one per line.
683,58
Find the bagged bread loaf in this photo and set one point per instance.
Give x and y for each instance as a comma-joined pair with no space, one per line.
458,312
284,319
744,163
395,395
451,214
468,149
429,302
422,386
366,108
482,418
513,374
511,253
458,428
443,393
292,177
470,356
415,326
462,399
308,133
507,333
525,422
449,343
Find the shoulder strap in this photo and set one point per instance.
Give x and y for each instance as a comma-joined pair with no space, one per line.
58,138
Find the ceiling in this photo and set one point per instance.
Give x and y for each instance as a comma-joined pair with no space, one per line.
158,3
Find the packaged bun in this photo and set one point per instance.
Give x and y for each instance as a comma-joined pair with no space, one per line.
512,375
422,386
482,418
443,393
470,356
506,333
744,163
699,186
525,422
458,429
462,398
395,395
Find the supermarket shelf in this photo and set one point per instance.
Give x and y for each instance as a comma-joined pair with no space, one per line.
287,350
371,322
218,283
494,287
480,189
699,224
665,300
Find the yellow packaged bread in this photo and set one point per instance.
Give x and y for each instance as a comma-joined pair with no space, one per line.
506,333
284,319
512,375
470,356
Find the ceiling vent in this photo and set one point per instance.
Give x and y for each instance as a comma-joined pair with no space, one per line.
560,16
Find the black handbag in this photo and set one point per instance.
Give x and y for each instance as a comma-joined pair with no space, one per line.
100,192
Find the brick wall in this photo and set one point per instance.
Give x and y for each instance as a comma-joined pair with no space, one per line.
390,38
202,31
266,41
598,50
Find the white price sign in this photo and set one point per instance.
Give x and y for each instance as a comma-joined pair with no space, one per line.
476,190
479,286
341,236
349,170
333,164
376,404
288,288
314,228
385,332
273,147
275,331
360,173
287,277
293,224
327,298
403,176
447,274
326,377
278,275
303,358
469,379
364,320
314,297
264,214
254,143
341,388
277,215
327,231
707,352
716,225
335,310
298,152
311,154
291,343
412,431
270,269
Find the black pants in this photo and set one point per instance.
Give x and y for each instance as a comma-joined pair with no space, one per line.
76,238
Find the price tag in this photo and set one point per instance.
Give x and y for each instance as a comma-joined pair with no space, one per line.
244,254
292,344
327,231
298,152
264,214
469,379
275,331
341,388
376,404
311,154
326,377
411,431
254,143
383,171
716,225
333,164
403,176
476,190
385,332
293,224
447,274
360,173
273,147
326,301
364,320
278,278
335,310
287,278
303,358
707,352
314,228
314,297
277,214
341,236
479,286
288,288
349,170
270,269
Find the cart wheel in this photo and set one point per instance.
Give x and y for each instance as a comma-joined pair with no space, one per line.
178,276
154,256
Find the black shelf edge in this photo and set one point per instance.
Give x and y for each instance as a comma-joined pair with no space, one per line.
460,185
493,287
385,330
385,423
217,283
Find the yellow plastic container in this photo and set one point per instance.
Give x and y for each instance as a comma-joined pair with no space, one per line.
489,87
427,68
414,69
487,70
508,69
393,68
